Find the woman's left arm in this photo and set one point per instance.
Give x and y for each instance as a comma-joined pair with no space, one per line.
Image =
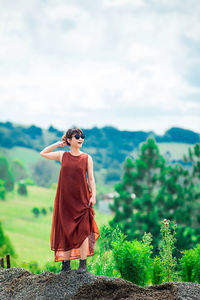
91,180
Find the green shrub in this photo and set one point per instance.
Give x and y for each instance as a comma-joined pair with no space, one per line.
133,258
31,266
36,211
53,267
197,265
108,235
2,189
6,246
166,247
157,271
103,264
43,211
22,190
187,264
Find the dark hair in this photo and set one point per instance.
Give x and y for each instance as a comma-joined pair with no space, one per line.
68,134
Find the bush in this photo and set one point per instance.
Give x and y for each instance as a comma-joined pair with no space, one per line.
157,271
31,266
103,263
51,266
2,189
166,247
43,211
133,258
189,265
22,190
197,265
108,235
6,246
36,211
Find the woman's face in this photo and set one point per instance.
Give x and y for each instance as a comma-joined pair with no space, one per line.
76,143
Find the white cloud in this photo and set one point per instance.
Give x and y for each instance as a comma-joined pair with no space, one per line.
92,61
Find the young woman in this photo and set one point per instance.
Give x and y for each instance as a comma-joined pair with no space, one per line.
74,231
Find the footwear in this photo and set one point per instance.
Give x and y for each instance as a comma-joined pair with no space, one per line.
65,266
82,266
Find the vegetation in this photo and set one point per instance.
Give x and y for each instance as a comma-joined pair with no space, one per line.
140,242
151,191
114,254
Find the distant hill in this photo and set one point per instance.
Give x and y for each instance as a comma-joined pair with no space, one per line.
106,137
179,135
108,146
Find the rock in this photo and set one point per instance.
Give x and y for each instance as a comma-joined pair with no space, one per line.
19,284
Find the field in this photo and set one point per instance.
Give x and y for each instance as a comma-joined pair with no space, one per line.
30,235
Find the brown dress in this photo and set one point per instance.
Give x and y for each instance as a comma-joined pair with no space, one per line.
73,220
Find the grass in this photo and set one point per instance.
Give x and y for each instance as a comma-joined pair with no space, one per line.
30,235
177,150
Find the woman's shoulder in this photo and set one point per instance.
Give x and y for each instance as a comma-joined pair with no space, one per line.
61,155
86,155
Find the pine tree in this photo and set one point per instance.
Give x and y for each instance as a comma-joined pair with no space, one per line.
150,191
135,209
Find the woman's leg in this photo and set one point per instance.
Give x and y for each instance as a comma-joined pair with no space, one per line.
67,255
84,249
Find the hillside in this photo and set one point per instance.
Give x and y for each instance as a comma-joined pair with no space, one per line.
108,146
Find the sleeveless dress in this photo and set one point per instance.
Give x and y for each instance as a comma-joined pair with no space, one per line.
73,220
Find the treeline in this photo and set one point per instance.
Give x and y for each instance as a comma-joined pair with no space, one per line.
106,137
111,145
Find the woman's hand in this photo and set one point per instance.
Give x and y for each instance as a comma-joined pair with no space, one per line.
61,144
92,200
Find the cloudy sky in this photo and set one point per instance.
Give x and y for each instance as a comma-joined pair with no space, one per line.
131,64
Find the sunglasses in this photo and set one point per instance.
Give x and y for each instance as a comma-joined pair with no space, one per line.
77,136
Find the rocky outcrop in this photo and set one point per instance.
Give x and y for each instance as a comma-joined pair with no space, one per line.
19,284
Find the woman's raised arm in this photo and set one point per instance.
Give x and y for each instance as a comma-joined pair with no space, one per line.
46,152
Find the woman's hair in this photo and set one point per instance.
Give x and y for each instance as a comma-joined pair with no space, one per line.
68,134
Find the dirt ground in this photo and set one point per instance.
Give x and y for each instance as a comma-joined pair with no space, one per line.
20,284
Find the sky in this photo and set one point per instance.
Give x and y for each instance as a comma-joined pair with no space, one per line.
130,64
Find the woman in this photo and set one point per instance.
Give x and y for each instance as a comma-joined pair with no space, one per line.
74,231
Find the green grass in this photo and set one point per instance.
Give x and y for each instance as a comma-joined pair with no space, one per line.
177,150
30,235
27,156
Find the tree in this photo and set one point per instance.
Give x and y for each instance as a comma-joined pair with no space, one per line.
43,211
181,194
18,169
44,172
136,215
162,192
36,211
2,189
22,190
5,244
6,173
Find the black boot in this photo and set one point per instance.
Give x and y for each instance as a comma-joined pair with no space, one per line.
66,266
82,266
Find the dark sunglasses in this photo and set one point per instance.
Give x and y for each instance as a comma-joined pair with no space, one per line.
77,136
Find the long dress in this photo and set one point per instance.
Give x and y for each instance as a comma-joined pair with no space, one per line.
73,220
